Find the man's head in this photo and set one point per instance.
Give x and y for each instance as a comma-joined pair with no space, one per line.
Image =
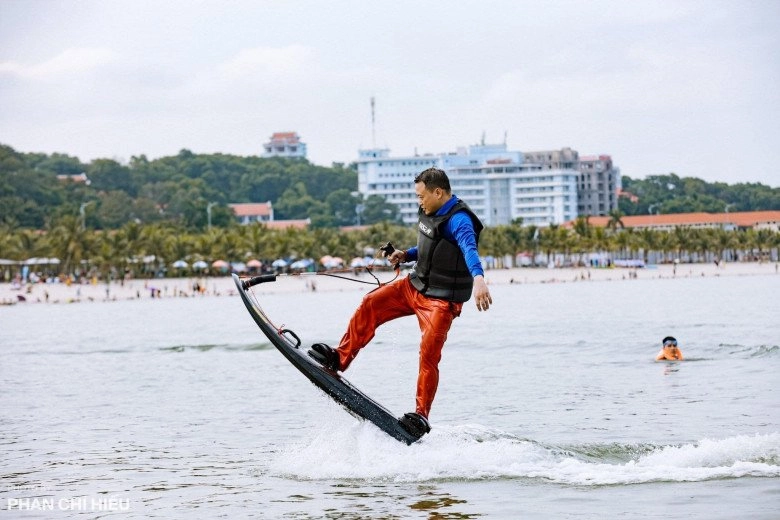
433,190
669,342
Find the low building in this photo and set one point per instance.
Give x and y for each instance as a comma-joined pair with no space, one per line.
80,178
263,213
667,222
285,144
250,212
285,224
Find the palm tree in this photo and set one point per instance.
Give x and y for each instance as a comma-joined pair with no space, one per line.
179,246
153,244
70,242
547,241
24,244
700,243
682,236
722,241
208,245
254,239
615,220
493,241
301,243
763,242
666,243
583,233
582,226
232,244
555,239
626,242
601,241
379,234
743,242
111,254
648,240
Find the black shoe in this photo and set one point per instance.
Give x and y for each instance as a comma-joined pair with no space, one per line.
415,424
325,356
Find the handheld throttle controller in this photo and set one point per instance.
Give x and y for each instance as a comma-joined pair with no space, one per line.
388,249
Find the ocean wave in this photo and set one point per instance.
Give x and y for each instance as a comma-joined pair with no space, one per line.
751,351
766,350
224,347
471,452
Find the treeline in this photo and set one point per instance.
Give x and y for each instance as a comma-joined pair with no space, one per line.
182,189
186,188
672,194
151,250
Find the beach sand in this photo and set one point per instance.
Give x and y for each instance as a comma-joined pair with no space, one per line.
143,289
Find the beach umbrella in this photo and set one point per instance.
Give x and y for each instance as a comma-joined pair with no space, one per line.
5,261
238,267
200,264
180,264
220,264
357,262
280,262
333,262
254,264
302,264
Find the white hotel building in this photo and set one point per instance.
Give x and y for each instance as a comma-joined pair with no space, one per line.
497,184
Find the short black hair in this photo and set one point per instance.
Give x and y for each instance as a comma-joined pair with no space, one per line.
434,178
668,338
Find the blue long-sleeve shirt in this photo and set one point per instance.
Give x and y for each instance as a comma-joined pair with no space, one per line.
460,229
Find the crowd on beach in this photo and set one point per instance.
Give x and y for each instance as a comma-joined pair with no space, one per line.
57,289
65,289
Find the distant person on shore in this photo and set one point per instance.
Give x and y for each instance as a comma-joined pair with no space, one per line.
669,351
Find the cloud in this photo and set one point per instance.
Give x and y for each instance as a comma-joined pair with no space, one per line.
70,61
261,62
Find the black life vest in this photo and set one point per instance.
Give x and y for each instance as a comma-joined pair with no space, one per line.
441,270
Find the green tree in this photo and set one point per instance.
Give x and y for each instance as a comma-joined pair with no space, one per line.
376,209
296,203
70,242
615,220
342,205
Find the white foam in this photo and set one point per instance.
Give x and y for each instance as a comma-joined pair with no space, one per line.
471,452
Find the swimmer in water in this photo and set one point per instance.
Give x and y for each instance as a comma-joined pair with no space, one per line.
669,350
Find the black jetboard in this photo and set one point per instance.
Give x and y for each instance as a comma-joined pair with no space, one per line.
338,388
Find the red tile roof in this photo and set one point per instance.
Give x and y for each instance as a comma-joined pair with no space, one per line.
284,224
289,137
740,219
251,209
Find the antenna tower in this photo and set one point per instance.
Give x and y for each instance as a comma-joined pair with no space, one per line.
373,124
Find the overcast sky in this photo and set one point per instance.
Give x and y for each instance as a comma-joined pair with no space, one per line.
691,87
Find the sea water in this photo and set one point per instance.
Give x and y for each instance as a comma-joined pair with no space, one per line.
549,406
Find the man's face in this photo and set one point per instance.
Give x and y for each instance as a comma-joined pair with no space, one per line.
430,200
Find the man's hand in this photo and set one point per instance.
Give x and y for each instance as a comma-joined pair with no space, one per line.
397,257
481,293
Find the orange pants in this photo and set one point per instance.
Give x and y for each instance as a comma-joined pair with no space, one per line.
392,301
